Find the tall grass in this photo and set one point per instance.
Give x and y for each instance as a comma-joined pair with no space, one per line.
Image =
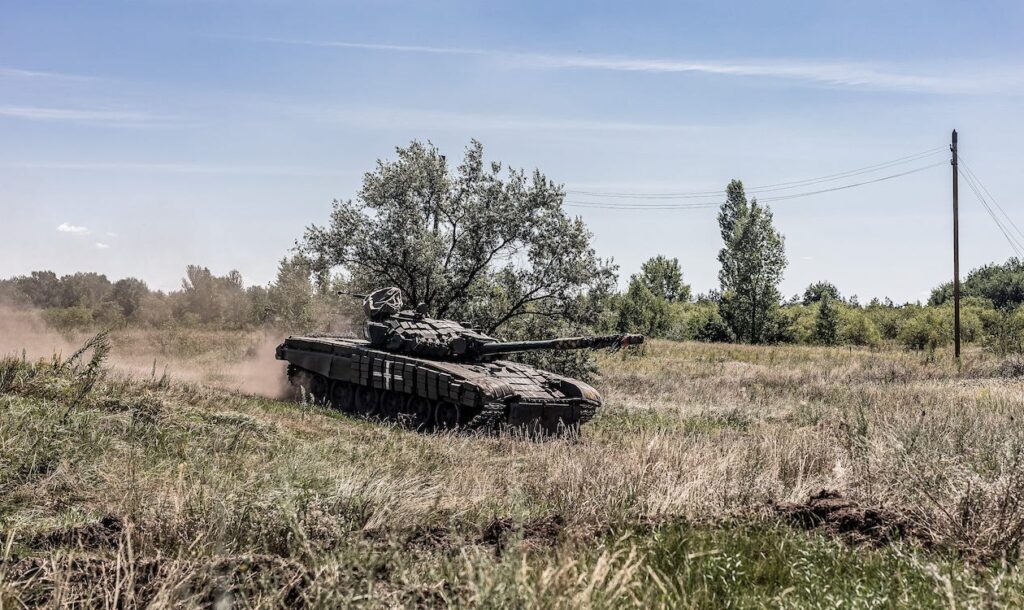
141,491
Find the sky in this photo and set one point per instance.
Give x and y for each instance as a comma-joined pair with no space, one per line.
138,137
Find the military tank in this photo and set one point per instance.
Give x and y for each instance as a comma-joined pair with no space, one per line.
427,373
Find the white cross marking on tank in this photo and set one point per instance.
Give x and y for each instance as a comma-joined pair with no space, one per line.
388,375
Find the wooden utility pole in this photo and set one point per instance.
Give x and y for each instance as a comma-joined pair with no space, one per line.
956,252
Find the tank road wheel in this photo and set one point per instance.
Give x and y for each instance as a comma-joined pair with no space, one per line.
418,413
447,415
319,389
341,397
299,378
367,401
391,404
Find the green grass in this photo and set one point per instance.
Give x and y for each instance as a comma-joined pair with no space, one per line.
138,491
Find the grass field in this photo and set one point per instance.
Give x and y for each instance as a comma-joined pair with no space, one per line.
698,485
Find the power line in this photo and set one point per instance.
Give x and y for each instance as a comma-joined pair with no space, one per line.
779,186
1015,244
991,198
714,204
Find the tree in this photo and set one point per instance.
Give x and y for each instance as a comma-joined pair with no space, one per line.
209,299
826,327
84,289
643,311
128,294
42,288
290,296
479,243
1003,285
819,290
753,259
664,278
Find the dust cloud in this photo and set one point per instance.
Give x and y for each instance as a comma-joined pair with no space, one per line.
231,360
23,332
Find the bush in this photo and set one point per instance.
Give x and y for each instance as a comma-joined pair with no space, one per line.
704,323
927,329
68,319
795,324
856,328
641,311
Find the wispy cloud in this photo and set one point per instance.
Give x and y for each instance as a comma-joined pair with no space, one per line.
370,46
413,119
851,74
102,246
66,227
174,168
98,116
8,72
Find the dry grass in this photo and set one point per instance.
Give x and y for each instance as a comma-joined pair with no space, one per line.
157,492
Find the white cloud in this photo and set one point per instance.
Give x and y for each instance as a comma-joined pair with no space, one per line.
100,116
878,76
101,245
65,227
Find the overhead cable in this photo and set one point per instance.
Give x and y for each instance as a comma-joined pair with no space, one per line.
779,186
714,204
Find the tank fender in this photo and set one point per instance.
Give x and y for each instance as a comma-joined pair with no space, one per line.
495,390
573,388
311,361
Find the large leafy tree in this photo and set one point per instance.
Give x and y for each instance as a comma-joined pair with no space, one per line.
753,259
480,243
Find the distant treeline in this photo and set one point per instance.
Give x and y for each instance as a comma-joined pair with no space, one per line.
657,303
297,299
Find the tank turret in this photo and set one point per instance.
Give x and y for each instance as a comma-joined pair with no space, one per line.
411,332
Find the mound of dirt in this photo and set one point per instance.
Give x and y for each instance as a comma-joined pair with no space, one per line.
102,534
831,513
539,532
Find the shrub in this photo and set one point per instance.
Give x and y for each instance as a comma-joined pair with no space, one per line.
856,328
67,319
927,329
704,323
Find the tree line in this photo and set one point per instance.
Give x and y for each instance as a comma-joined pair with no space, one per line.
493,247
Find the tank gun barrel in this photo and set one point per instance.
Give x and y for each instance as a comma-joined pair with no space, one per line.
351,294
614,342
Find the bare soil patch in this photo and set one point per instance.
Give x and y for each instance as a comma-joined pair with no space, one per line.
832,513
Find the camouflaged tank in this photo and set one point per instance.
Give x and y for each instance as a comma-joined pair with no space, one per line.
427,373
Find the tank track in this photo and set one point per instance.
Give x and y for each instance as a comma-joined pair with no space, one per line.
489,418
587,413
355,400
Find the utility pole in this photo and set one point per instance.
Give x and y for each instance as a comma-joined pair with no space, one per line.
956,252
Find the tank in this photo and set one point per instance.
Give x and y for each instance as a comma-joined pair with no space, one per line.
428,373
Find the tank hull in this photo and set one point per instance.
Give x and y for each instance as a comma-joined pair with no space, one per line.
356,378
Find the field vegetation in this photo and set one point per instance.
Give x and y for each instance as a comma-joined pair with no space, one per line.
717,475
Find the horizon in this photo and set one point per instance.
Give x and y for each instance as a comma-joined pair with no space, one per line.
140,137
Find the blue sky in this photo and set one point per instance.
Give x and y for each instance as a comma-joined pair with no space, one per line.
138,137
